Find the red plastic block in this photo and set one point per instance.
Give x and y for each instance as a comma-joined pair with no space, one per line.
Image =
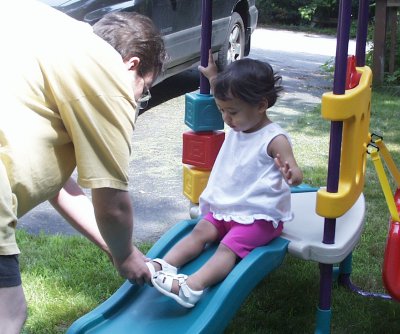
200,149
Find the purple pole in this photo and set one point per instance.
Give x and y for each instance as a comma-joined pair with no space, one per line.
325,286
206,28
339,87
343,36
362,30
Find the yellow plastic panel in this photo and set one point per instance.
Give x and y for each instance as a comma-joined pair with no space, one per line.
194,182
354,110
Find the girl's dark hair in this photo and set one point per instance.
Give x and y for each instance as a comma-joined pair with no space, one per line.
249,80
133,34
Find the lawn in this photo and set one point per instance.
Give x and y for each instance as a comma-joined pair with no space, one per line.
66,277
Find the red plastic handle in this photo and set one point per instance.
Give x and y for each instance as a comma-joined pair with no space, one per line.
352,76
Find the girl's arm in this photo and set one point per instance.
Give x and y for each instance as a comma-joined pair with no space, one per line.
211,71
281,150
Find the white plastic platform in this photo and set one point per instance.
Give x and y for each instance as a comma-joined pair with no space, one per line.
305,231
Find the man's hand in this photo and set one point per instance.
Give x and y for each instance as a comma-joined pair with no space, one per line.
134,268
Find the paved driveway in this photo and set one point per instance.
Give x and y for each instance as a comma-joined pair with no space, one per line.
156,168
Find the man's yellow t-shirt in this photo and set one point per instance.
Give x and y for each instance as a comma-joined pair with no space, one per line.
66,102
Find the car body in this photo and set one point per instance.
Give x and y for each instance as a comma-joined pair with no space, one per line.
180,24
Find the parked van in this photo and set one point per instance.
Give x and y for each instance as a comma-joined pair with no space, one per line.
180,23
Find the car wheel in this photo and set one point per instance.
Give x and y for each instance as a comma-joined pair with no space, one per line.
233,48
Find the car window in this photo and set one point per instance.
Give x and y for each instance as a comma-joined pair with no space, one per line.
163,14
189,13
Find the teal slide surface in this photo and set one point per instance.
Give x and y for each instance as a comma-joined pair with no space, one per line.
134,309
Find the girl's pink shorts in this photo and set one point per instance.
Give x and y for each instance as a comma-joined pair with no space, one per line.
243,238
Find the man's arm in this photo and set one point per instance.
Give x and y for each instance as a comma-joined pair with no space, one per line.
77,210
114,215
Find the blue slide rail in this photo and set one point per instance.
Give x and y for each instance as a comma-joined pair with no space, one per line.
134,309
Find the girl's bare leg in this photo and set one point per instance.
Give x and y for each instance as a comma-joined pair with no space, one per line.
213,271
190,246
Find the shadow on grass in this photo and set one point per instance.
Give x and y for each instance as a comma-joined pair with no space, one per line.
63,278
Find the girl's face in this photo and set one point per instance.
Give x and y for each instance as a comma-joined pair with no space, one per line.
241,116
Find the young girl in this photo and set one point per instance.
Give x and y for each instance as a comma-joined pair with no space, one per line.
247,198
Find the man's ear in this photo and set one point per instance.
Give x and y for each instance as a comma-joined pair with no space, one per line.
132,63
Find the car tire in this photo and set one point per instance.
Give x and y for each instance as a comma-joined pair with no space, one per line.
234,46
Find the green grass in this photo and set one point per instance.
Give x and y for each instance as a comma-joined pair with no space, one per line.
66,277
63,277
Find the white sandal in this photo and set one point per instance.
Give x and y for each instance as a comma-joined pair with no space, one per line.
187,297
166,267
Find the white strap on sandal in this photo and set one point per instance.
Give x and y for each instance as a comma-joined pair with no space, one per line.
187,297
166,267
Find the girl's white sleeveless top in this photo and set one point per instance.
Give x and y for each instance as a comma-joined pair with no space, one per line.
245,184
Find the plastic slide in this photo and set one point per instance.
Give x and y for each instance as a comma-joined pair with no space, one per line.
134,309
